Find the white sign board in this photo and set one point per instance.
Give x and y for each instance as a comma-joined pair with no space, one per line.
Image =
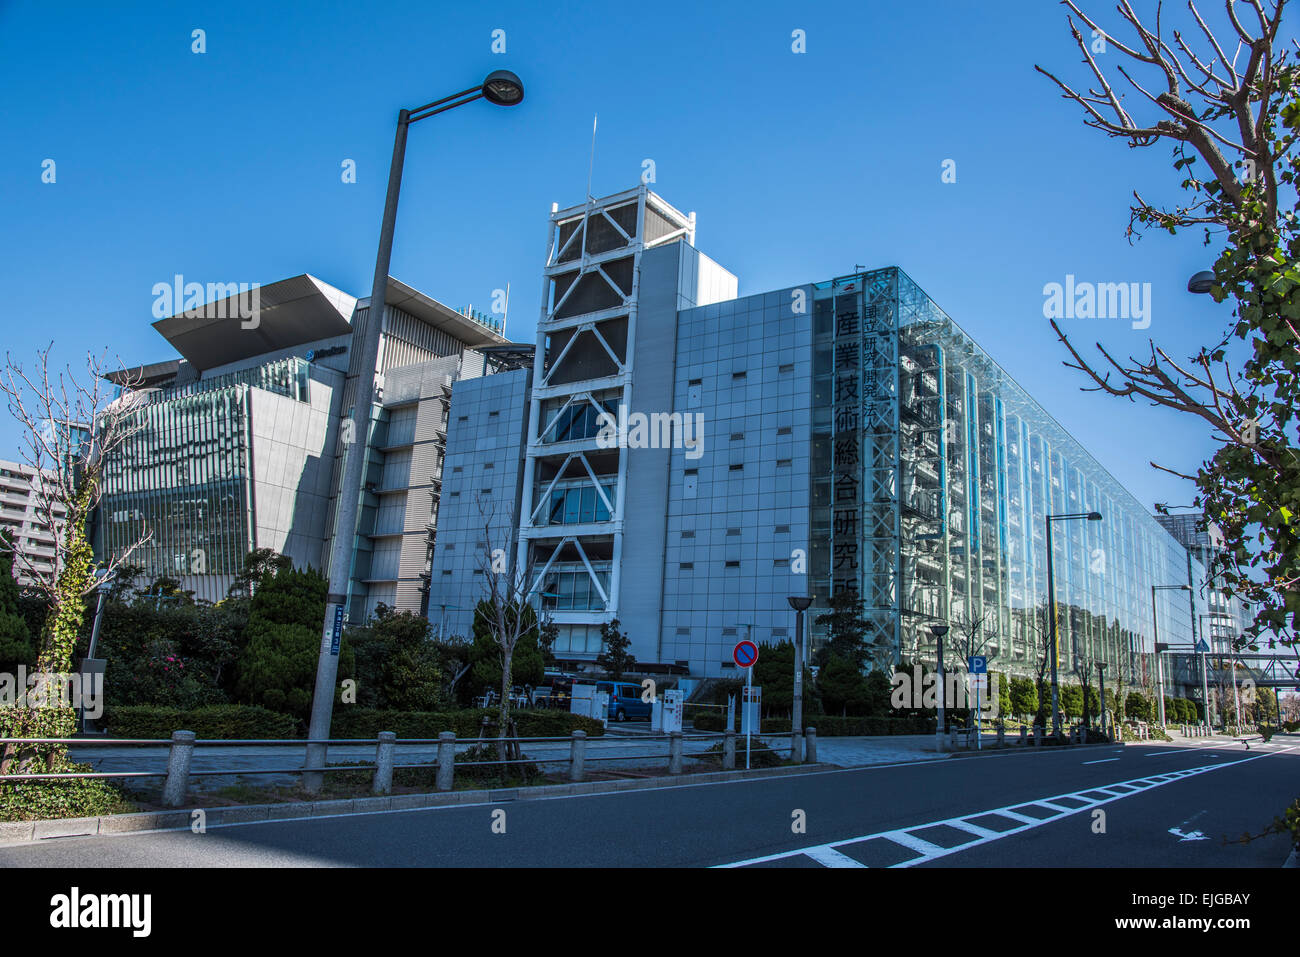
674,705
751,700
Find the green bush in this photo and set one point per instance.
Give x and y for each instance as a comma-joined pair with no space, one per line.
352,722
832,726
214,722
82,797
278,666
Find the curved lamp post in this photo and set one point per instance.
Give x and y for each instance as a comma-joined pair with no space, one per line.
501,88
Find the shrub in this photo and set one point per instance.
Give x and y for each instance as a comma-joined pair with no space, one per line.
81,797
397,666
278,667
214,722
832,726
350,722
1137,706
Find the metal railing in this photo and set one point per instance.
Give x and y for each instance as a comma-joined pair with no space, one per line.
181,747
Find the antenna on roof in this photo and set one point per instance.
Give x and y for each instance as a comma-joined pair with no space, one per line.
592,163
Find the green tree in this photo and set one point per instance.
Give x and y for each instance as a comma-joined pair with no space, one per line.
614,656
1071,700
841,685
846,629
1137,706
278,667
1004,694
16,647
397,666
1024,696
774,673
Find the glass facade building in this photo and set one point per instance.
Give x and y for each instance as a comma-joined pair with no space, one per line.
853,438
933,474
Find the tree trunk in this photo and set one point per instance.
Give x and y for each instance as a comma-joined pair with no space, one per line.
507,662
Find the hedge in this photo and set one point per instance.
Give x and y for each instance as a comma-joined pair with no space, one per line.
831,726
352,722
213,722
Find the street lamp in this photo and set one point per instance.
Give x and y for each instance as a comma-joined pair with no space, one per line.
800,604
1101,677
1201,283
1051,609
502,88
1155,640
939,630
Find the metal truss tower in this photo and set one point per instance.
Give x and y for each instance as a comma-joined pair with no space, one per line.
571,517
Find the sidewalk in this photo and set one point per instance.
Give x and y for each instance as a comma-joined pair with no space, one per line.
629,753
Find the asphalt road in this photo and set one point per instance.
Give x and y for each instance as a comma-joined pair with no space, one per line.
1173,806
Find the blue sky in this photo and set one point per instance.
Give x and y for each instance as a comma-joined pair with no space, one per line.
225,166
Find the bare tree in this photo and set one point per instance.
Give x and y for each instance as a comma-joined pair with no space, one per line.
503,609
72,426
1231,113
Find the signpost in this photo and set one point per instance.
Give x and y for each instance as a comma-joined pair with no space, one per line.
978,668
745,655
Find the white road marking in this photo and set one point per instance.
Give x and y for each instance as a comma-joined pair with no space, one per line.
832,858
927,851
1101,761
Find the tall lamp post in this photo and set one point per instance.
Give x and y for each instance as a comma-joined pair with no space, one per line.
939,631
502,88
800,604
1051,609
1155,643
1101,677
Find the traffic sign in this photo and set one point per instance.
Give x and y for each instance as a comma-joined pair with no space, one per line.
745,653
977,664
1202,647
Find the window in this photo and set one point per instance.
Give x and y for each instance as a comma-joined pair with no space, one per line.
788,367
737,376
737,467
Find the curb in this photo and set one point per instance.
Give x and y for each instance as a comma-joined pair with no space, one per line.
27,832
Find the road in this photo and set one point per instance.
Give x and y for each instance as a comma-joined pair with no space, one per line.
1173,806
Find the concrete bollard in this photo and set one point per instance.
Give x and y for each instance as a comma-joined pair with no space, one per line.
577,756
178,768
1038,736
384,763
675,753
1002,736
446,761
729,751
1024,736
810,745
952,739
